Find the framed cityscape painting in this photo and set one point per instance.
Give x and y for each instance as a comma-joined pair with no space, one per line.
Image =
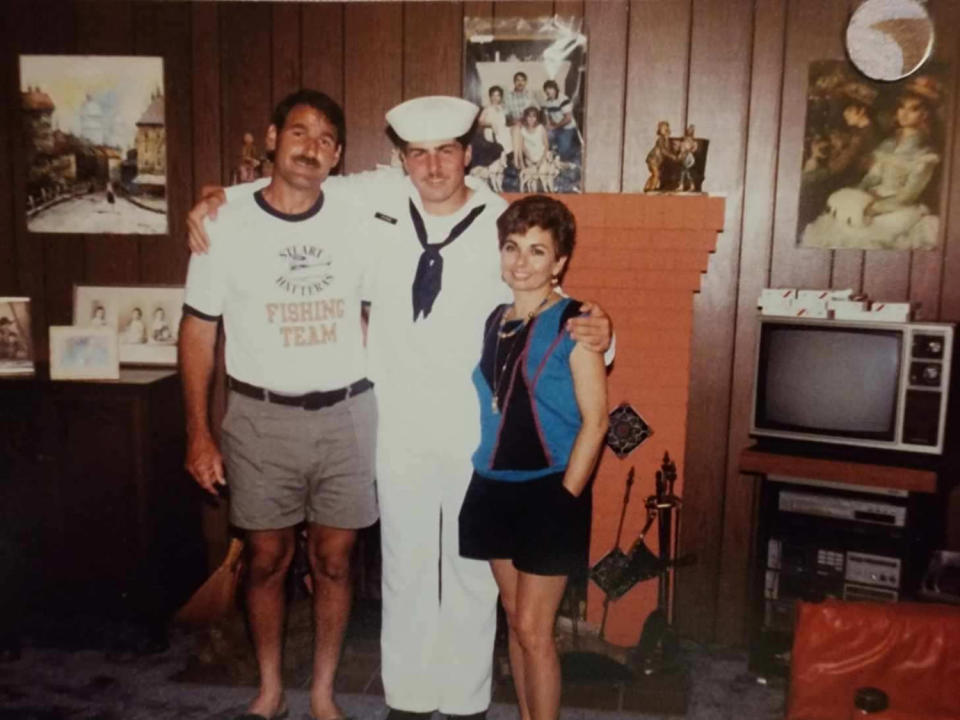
95,142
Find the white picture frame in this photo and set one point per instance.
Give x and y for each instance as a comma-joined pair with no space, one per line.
146,319
16,339
83,353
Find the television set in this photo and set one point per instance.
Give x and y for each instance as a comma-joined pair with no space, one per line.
866,384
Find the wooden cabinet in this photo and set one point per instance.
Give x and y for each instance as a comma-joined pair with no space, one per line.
95,496
832,528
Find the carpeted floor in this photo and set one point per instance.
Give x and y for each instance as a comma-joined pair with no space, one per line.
53,681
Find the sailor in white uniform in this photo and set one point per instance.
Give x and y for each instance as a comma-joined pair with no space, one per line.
436,280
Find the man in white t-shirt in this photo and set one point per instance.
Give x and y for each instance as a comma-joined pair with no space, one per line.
285,272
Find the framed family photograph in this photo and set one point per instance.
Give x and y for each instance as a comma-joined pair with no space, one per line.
16,343
528,77
94,134
146,319
83,353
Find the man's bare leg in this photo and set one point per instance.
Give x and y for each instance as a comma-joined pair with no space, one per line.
269,553
329,552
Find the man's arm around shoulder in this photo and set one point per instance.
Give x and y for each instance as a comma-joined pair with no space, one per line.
208,207
594,331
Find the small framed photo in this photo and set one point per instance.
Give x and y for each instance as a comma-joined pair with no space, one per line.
16,342
146,319
83,353
528,76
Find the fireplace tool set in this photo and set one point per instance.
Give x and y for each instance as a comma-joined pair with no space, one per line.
617,572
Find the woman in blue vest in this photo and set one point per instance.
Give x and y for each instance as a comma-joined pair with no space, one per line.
543,410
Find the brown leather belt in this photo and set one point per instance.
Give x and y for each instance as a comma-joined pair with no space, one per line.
307,401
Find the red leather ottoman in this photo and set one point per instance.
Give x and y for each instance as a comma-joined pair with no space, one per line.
911,651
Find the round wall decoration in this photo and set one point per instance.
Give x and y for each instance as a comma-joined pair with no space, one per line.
889,39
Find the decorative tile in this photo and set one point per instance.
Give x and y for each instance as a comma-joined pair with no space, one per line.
627,430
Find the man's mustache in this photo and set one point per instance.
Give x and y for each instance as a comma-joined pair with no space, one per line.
303,159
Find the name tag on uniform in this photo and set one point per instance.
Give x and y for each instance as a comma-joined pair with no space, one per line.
385,218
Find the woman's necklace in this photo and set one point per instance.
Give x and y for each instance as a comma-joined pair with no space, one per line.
502,334
500,369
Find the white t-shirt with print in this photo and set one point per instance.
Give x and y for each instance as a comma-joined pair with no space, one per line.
289,290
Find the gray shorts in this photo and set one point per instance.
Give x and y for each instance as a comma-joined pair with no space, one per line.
287,464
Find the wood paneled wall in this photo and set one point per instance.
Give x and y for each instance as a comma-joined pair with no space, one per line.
735,68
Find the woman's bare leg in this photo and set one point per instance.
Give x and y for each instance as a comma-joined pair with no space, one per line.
538,598
531,603
506,576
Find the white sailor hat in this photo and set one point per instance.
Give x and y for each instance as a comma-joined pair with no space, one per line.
433,117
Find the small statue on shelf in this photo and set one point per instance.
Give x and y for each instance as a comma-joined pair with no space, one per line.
676,164
686,156
661,151
251,164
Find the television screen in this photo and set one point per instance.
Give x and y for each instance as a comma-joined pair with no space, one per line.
832,381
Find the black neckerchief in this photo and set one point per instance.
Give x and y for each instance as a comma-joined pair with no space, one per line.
427,281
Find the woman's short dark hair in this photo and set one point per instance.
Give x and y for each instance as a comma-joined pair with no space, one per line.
542,212
493,89
532,110
321,102
551,84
